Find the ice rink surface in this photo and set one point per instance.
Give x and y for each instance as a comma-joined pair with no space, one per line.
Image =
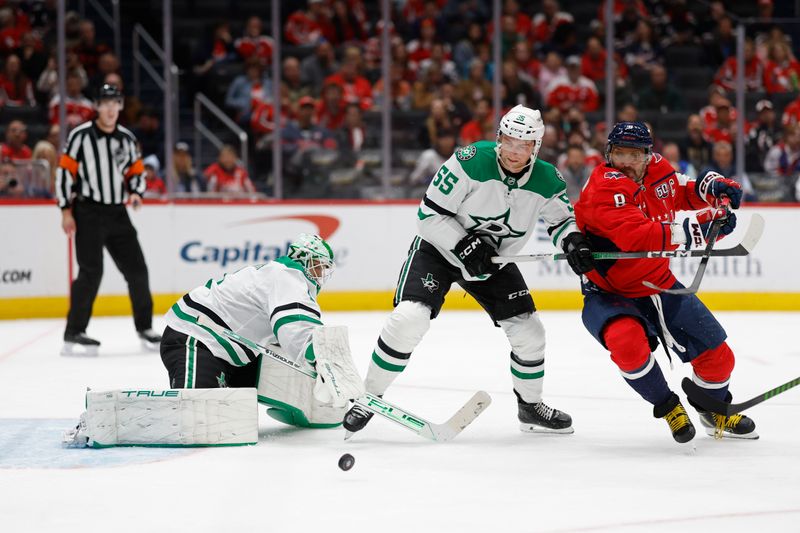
620,471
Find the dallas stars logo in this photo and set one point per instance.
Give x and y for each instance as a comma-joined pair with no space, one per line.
221,381
495,228
429,283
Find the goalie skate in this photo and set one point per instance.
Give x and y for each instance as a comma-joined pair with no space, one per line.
78,344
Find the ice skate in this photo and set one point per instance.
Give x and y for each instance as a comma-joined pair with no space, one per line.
678,419
150,339
736,426
355,419
78,344
540,418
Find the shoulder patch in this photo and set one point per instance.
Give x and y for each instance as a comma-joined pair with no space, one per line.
559,176
466,152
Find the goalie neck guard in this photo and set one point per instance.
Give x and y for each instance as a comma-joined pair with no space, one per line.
314,255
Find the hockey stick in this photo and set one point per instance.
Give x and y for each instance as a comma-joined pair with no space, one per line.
698,395
749,241
716,226
424,428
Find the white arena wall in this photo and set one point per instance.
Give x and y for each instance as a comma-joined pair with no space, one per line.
186,243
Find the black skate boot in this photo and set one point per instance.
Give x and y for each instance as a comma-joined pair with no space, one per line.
540,418
150,339
355,419
678,419
736,426
79,344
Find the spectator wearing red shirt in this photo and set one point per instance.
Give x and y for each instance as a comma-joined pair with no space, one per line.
14,148
785,67
573,89
79,108
725,128
11,31
16,88
420,49
331,107
527,66
355,88
757,74
226,175
472,131
400,91
306,28
254,43
791,114
156,188
593,61
545,23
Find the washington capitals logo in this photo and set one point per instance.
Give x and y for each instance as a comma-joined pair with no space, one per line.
496,228
429,283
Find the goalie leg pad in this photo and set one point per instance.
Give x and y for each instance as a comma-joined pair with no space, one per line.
186,417
526,335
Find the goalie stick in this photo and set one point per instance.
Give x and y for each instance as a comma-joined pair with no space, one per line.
437,432
698,395
745,247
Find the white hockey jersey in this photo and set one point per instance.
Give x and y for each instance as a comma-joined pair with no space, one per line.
271,303
471,194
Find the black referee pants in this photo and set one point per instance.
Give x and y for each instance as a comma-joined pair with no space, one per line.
98,226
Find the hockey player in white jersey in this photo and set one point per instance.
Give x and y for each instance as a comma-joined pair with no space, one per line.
272,304
484,200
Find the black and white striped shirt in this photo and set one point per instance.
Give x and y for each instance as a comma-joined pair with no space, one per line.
100,167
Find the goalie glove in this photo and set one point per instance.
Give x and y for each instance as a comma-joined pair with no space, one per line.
337,378
713,187
693,232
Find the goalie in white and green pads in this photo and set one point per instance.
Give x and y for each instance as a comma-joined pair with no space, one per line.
484,200
274,304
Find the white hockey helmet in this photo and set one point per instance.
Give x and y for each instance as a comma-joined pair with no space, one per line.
315,255
522,123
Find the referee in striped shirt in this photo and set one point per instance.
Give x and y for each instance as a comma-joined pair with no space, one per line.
99,169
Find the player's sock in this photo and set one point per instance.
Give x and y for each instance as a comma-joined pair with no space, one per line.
385,366
649,382
527,378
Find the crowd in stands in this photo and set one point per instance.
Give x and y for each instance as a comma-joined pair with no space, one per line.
331,90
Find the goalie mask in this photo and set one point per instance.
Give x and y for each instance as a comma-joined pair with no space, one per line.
522,124
314,255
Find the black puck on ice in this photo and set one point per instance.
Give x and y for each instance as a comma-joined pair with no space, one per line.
346,461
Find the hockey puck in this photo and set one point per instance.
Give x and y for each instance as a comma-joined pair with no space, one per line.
346,461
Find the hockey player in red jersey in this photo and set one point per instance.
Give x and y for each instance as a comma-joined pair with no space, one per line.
629,204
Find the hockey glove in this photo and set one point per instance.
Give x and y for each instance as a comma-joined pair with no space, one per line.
579,253
714,187
697,230
476,255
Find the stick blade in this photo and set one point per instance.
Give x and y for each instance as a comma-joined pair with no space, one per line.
463,417
754,232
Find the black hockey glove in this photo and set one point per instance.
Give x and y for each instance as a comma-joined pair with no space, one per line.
579,253
476,255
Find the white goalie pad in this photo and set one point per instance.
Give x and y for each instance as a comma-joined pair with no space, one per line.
176,417
289,394
338,380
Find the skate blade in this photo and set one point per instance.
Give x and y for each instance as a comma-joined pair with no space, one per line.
533,428
727,435
348,434
72,350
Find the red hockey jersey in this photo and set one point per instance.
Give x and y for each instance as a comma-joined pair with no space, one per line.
617,214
